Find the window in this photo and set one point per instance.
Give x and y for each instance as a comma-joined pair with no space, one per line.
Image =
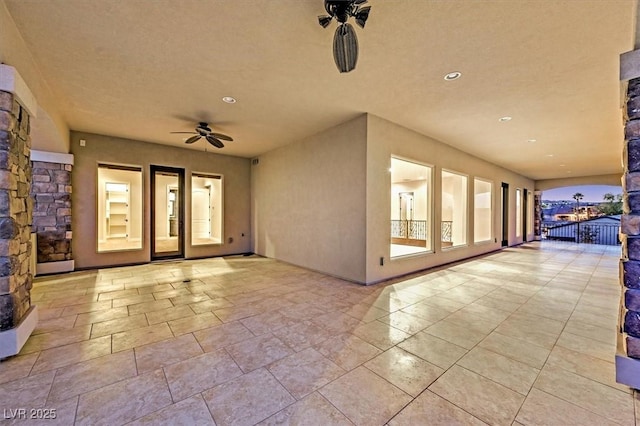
482,211
453,228
518,213
410,208
119,207
206,209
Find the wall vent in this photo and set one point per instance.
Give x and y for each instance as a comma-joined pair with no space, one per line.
255,161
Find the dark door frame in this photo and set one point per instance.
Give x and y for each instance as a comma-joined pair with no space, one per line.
525,213
505,214
181,211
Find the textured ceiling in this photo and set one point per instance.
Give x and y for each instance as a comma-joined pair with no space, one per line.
141,69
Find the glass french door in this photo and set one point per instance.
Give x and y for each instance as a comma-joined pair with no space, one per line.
167,212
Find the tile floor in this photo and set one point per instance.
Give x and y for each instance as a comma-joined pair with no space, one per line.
522,336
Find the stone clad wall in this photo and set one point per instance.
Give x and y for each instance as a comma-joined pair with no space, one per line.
630,223
51,190
16,208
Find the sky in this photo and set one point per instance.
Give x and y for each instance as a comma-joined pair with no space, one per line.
592,193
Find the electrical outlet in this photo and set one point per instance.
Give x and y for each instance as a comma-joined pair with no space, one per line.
83,142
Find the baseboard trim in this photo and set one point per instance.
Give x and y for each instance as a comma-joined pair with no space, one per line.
12,340
55,267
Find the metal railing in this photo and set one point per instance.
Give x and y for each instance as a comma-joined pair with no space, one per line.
446,231
412,229
587,233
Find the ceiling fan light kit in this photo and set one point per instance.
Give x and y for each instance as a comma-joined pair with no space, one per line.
345,42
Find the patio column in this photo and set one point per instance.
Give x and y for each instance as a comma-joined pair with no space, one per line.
628,348
17,316
537,215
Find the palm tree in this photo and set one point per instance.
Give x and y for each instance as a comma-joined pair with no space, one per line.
578,196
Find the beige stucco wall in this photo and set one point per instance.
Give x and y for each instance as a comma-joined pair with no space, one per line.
105,149
308,202
386,139
49,131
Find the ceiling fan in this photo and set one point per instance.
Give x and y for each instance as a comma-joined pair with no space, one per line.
345,42
203,130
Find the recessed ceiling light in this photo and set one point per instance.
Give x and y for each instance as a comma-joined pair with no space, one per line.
562,165
549,155
453,76
505,118
229,100
532,140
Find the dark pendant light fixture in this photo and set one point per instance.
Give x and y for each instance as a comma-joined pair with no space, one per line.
345,42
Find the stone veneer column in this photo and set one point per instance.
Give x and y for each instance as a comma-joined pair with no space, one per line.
537,215
51,191
628,348
18,317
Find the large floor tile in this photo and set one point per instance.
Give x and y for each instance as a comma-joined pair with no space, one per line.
304,372
516,349
191,411
512,374
150,306
481,397
430,409
458,334
89,375
17,367
347,351
117,325
214,338
40,342
380,335
100,316
72,353
408,323
247,399
543,408
54,324
433,349
606,401
267,322
584,345
193,323
124,401
169,314
587,366
404,370
365,398
427,312
258,352
156,355
140,337
302,335
313,410
29,392
200,373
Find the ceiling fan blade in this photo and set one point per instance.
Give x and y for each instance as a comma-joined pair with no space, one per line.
215,142
192,139
324,20
186,133
221,136
345,48
362,15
